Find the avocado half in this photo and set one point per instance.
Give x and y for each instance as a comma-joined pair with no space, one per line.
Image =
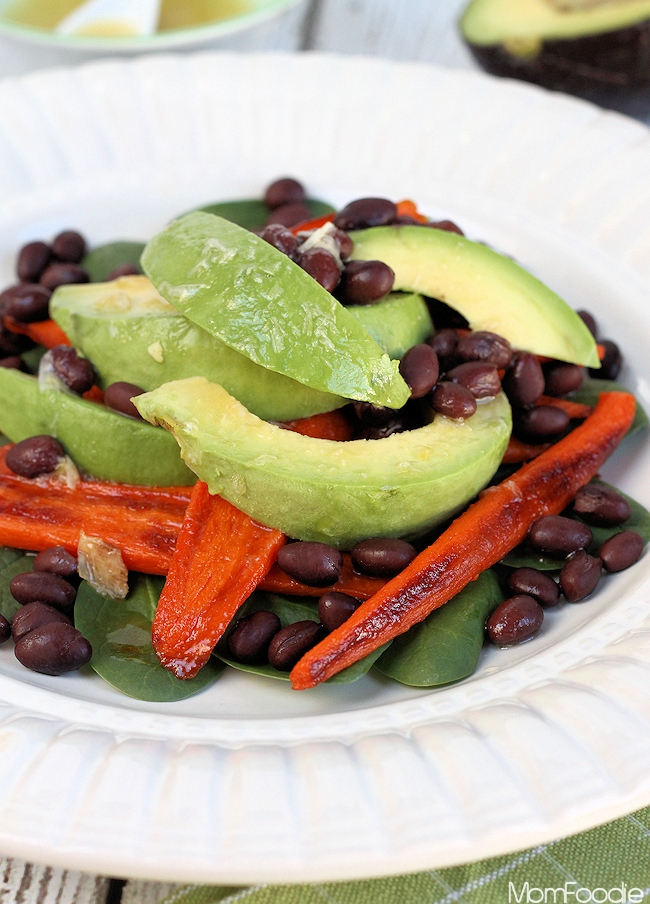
596,49
332,492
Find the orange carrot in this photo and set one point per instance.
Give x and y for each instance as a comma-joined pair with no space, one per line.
332,425
142,521
44,332
359,586
409,209
94,394
308,225
220,558
519,451
475,541
575,410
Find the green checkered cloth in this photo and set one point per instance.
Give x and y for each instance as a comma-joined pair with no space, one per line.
607,864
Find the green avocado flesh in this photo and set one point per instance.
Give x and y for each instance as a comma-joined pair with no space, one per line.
491,291
337,493
101,442
259,302
487,22
130,333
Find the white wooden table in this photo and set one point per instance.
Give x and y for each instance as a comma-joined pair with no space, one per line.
422,30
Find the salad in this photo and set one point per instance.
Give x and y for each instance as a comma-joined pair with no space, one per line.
390,437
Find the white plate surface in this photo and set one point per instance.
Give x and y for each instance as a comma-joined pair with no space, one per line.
251,781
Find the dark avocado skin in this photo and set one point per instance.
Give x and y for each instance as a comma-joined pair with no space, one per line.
610,69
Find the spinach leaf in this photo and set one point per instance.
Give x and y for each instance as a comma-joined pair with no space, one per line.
12,562
446,646
253,214
524,556
288,610
591,389
102,260
119,632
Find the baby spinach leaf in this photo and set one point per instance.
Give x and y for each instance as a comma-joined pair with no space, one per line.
525,556
253,214
591,389
289,610
12,562
102,260
119,632
446,646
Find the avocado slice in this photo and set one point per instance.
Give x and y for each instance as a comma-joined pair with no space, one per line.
131,333
593,48
491,291
101,442
315,489
255,299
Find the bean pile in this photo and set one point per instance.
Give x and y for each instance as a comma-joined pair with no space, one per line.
260,639
45,638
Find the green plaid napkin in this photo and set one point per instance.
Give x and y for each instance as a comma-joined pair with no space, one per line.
607,865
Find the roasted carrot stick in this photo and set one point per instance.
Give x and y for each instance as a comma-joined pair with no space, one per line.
308,225
476,540
519,451
575,410
409,209
331,425
221,556
44,332
357,585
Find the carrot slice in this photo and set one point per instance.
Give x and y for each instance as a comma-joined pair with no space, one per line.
409,209
332,425
308,225
476,540
220,558
44,332
359,586
143,522
576,410
519,451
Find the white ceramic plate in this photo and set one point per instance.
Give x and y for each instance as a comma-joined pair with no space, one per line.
257,11
251,781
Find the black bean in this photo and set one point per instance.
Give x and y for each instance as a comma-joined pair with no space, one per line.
63,275
35,615
289,215
590,322
420,369
557,535
292,642
345,243
27,303
515,620
5,629
314,564
321,265
250,639
611,364
453,400
365,212
335,608
13,362
373,415
446,226
282,192
561,379
543,423
33,258
122,270
395,425
281,238
77,373
621,550
43,587
69,247
363,282
482,380
382,557
56,560
523,382
601,505
53,649
535,583
35,456
444,343
580,576
482,345
118,397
